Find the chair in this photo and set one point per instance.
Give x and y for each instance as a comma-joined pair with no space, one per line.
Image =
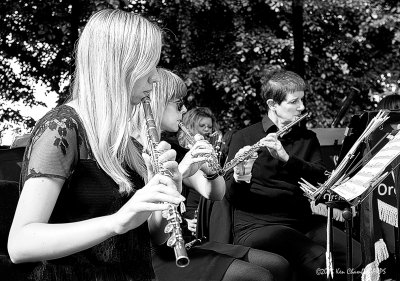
8,202
10,163
214,220
10,169
21,141
203,217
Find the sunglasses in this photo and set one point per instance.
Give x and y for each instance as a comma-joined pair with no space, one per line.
179,103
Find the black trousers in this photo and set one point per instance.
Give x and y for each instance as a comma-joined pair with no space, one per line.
304,247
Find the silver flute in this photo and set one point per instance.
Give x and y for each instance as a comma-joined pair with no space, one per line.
255,147
171,214
212,158
216,141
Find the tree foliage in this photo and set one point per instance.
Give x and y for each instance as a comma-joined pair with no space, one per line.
221,48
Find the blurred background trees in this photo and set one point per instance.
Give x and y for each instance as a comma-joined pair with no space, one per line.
221,48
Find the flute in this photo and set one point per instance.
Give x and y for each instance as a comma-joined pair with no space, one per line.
246,155
212,158
171,214
216,142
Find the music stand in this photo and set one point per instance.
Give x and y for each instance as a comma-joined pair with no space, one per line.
356,125
348,215
353,191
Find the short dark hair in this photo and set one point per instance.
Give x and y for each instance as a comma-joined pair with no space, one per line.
279,83
391,102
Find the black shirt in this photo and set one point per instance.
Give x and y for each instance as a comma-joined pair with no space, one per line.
273,194
59,148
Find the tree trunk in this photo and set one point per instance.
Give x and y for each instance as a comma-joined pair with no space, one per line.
298,41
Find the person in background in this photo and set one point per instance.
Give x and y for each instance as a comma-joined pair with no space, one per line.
84,211
391,102
270,211
210,260
202,121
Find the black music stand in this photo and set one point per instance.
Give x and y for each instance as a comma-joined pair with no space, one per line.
353,131
348,216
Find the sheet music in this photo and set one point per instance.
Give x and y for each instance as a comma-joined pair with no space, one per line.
371,172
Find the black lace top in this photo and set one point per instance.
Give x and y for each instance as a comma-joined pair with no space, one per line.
59,148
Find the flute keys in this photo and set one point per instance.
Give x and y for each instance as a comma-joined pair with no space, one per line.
172,226
169,228
168,212
171,241
165,214
171,216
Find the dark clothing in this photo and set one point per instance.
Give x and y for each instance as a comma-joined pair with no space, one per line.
59,148
208,261
271,213
192,203
273,194
211,260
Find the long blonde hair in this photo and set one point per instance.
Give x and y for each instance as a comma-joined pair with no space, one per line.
115,49
169,87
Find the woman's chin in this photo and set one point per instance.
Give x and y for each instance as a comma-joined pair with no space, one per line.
171,130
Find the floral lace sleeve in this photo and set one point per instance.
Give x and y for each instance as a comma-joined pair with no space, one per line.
53,149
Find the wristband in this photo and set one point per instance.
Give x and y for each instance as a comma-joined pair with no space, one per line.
211,177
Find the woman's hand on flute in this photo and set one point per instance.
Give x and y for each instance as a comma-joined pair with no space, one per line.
192,225
274,146
167,161
242,172
156,195
196,157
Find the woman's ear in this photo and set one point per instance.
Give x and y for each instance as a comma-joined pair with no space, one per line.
271,104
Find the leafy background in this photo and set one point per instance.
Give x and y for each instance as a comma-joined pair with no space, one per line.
221,49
